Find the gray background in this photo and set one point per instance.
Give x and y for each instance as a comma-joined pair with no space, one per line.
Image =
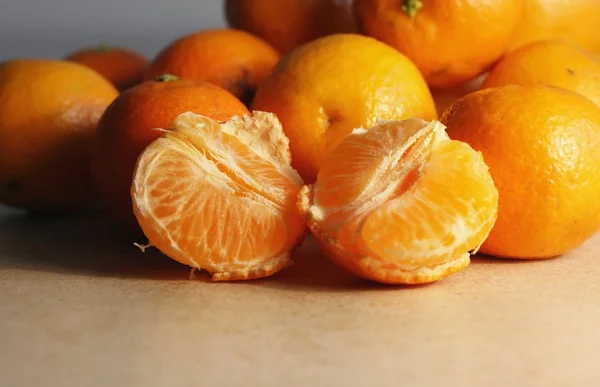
53,28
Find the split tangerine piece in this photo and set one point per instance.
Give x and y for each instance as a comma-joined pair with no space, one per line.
221,196
401,203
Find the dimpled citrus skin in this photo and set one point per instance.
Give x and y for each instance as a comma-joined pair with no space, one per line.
573,20
450,41
122,67
232,59
49,110
541,144
288,24
326,88
550,62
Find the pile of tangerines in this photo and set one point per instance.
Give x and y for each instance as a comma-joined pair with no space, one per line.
406,135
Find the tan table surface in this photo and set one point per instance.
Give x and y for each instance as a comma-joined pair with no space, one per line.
80,306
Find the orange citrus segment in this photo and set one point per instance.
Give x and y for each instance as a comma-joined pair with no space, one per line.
216,197
402,203
438,218
365,164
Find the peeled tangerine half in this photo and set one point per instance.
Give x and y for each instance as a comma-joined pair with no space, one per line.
221,196
401,203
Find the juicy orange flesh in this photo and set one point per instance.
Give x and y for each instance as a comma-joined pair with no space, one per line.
340,183
261,177
446,213
432,202
213,202
344,187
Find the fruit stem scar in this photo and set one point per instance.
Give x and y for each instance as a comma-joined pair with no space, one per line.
103,47
411,7
167,78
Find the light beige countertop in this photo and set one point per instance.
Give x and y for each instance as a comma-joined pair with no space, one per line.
81,307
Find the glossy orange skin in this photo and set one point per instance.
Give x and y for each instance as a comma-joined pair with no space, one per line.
49,110
542,146
327,88
573,20
232,59
291,23
549,62
450,41
129,124
122,67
